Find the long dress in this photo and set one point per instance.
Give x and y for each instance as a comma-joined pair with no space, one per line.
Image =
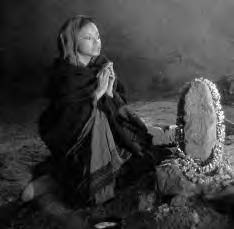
89,140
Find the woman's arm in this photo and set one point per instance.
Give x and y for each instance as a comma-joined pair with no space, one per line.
119,96
119,93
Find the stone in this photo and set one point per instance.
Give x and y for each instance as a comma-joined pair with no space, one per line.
200,121
162,135
170,181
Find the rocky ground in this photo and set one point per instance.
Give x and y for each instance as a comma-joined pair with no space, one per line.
21,149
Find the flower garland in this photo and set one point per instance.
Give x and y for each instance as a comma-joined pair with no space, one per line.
194,169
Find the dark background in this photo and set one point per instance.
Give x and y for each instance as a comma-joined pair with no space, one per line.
156,45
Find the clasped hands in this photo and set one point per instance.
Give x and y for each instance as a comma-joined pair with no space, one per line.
106,79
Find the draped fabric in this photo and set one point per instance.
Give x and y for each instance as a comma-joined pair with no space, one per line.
105,159
85,136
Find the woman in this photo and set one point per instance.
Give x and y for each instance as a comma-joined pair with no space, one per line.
87,126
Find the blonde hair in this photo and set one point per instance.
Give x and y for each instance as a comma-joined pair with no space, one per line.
67,37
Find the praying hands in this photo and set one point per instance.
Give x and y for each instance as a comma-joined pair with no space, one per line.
111,81
106,79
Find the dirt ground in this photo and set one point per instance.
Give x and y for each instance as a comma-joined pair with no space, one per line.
21,148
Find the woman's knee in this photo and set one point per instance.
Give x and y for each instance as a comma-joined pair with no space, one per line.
42,185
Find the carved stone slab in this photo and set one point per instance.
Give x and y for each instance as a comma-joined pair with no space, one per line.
200,121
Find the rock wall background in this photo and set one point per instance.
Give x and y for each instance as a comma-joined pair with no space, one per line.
155,44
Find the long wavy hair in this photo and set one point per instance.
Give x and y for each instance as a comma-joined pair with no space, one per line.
67,37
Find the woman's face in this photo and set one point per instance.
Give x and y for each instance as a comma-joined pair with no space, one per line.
89,42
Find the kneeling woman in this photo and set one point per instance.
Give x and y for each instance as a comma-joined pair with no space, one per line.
87,127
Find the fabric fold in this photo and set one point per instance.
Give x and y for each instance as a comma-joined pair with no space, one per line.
105,160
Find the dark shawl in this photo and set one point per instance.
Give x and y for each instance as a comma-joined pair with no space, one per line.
71,105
